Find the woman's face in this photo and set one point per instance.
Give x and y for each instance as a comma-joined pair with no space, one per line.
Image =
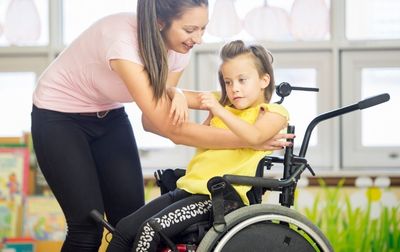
186,31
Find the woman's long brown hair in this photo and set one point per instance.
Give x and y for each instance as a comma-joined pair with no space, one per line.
152,49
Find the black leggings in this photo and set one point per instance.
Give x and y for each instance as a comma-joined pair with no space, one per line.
89,163
173,212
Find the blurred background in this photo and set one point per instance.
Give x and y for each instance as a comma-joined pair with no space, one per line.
349,49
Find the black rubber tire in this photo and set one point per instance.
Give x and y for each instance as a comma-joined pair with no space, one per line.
263,227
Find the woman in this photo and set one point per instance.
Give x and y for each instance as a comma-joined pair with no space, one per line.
82,137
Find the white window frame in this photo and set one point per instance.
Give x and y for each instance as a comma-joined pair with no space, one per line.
320,155
36,64
354,154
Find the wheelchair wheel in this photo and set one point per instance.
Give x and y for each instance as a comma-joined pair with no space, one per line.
265,227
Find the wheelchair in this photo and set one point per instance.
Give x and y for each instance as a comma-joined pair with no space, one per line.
259,227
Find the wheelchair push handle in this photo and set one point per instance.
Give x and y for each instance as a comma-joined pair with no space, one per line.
284,89
373,101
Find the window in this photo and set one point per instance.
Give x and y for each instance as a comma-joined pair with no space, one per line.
17,81
16,102
271,20
20,67
372,19
375,81
370,137
308,69
79,15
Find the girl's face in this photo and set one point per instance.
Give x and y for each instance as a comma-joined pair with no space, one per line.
244,87
186,31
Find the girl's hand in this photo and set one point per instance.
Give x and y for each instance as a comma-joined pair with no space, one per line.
209,102
278,142
179,111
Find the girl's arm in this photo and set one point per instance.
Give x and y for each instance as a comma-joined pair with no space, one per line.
265,128
157,113
267,125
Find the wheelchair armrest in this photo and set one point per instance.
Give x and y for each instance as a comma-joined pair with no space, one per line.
273,159
254,181
273,184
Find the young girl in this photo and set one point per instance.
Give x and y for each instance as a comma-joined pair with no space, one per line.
247,84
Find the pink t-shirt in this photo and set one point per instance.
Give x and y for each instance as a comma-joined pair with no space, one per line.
80,79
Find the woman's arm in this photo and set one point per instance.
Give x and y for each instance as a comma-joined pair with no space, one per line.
179,111
181,100
192,97
275,143
157,113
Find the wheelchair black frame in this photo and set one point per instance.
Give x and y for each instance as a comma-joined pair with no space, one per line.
294,165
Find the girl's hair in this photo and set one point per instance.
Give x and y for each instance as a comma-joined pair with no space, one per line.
262,60
153,51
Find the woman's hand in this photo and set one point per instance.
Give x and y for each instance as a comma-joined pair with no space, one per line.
278,142
179,112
